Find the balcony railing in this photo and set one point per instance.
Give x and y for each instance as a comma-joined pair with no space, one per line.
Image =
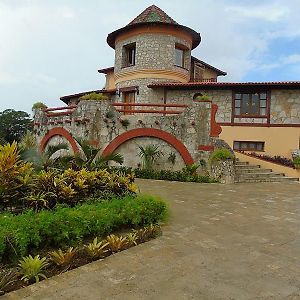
130,108
63,111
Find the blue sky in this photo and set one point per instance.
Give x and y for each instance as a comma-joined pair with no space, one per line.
50,48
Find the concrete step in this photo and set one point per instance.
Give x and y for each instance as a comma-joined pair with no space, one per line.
247,166
270,179
241,163
254,173
251,170
259,175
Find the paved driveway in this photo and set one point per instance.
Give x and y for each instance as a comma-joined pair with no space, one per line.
221,242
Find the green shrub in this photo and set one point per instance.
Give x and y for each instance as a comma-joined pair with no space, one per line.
183,175
94,96
65,226
39,105
296,161
220,154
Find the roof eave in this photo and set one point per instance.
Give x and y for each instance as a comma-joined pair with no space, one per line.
196,37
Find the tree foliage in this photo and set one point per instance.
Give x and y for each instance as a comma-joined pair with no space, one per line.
13,125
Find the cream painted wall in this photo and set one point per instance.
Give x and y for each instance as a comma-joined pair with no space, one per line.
278,140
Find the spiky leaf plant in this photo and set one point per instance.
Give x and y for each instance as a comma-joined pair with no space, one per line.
32,268
6,278
132,239
63,258
117,243
97,249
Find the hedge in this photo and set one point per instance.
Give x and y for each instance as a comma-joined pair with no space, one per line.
20,234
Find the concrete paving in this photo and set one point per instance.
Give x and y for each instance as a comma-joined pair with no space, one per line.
237,241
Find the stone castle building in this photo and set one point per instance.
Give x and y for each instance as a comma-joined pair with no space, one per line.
160,94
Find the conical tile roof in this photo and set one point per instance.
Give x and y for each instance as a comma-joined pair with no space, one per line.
152,14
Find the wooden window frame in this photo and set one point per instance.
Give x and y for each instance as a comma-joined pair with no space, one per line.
183,49
255,149
251,94
127,49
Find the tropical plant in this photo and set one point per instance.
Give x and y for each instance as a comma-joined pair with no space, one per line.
38,200
116,243
191,169
172,158
90,158
46,159
6,278
15,175
220,154
94,96
296,162
28,141
63,258
32,268
153,230
149,155
38,105
142,235
125,122
97,249
132,239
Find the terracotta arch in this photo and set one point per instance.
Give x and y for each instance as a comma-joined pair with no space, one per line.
150,132
62,132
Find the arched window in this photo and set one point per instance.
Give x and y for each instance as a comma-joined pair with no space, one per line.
197,95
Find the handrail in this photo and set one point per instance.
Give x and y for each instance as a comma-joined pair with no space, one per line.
63,113
149,111
60,108
150,104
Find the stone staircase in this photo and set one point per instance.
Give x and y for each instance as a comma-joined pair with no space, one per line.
244,172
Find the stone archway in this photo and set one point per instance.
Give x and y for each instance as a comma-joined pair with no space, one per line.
61,132
150,132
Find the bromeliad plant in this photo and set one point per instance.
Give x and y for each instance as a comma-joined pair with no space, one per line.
63,259
116,243
32,268
6,278
97,249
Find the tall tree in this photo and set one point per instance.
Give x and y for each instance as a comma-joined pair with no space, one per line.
14,124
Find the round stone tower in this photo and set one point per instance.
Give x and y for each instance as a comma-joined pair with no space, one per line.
151,48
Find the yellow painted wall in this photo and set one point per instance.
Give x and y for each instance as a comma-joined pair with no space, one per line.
110,81
209,74
278,140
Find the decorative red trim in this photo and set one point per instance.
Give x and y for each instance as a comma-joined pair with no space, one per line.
257,124
150,132
206,147
215,128
150,104
61,132
64,113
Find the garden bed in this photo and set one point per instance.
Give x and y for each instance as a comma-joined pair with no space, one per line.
182,176
39,233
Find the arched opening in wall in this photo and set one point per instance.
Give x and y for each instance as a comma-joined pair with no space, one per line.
158,134
197,95
132,151
58,135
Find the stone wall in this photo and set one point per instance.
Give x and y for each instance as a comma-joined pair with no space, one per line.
100,123
153,51
223,98
285,107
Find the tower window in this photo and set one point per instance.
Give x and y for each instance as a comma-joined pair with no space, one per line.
129,55
179,56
